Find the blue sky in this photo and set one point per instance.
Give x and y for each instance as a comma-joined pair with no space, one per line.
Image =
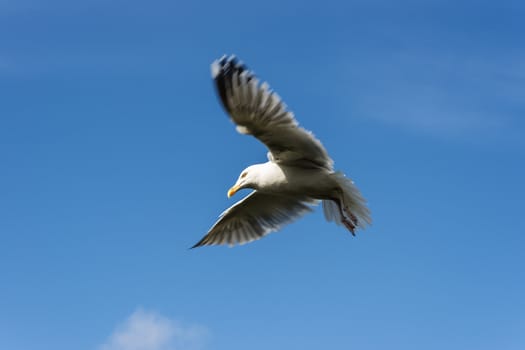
116,157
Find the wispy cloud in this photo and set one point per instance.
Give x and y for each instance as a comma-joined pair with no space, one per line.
4,64
439,93
148,330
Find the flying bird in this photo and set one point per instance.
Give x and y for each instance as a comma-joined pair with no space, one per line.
299,173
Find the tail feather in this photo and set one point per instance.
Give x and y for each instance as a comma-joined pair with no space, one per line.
356,209
332,212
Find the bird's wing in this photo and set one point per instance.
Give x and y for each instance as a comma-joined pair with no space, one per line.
253,217
259,111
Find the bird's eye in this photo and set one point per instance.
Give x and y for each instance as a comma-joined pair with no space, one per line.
243,175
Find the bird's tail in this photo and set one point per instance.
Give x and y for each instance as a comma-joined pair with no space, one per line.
350,208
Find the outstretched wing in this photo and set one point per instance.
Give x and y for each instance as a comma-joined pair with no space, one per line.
253,217
259,111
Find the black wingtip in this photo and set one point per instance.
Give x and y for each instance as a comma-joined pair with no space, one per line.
223,71
226,65
196,245
199,243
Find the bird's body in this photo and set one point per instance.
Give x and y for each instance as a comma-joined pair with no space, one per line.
277,179
299,172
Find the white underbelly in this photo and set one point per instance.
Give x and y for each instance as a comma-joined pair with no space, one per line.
314,183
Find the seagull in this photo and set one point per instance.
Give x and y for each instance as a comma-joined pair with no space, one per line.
298,174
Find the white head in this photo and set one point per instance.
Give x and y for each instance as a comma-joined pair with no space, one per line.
247,179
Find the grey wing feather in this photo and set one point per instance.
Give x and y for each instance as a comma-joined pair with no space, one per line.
258,111
253,217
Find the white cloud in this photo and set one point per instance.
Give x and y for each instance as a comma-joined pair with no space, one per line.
4,65
438,93
147,330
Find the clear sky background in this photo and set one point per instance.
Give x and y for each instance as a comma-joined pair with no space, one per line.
115,158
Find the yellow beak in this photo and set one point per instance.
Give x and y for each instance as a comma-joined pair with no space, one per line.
232,191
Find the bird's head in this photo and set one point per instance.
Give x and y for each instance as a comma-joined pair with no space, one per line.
247,179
